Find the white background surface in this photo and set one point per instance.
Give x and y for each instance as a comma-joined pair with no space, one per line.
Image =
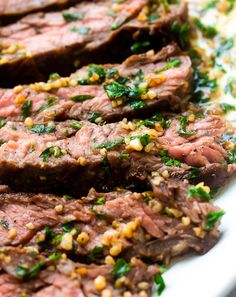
213,274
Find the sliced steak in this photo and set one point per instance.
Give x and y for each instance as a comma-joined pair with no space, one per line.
42,43
112,155
66,278
142,83
10,10
158,226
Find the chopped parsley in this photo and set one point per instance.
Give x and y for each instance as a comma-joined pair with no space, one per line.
199,192
207,31
81,30
202,84
159,281
172,63
2,123
50,102
137,104
93,116
168,161
225,45
71,17
68,226
81,98
193,172
41,129
99,201
25,273
183,125
140,47
4,224
231,158
116,90
182,32
75,124
50,151
227,107
26,108
120,268
110,144
213,218
95,253
231,87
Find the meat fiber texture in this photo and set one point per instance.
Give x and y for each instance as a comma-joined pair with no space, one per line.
42,43
148,224
145,225
10,10
157,85
44,158
62,277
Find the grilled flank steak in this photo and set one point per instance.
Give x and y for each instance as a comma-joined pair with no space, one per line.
79,155
140,85
42,43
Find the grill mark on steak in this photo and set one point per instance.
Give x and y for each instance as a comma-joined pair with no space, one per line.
157,233
171,89
55,278
47,43
47,162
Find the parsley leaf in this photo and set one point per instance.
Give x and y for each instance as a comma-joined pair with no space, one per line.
120,268
26,108
213,218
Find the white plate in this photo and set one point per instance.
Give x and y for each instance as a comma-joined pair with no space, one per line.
213,274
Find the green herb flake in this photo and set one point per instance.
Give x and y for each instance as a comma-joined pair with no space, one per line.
50,151
120,268
2,123
227,107
99,201
50,102
230,87
160,283
100,216
199,192
26,273
213,218
93,116
68,227
193,172
137,104
75,124
182,32
172,63
140,47
26,108
168,161
110,144
4,224
95,253
81,98
183,125
207,31
71,17
41,129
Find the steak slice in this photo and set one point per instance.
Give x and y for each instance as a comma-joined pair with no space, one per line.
169,89
62,277
158,226
111,155
42,43
10,10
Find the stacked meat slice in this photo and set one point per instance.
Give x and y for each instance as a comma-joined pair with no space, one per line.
102,175
92,31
